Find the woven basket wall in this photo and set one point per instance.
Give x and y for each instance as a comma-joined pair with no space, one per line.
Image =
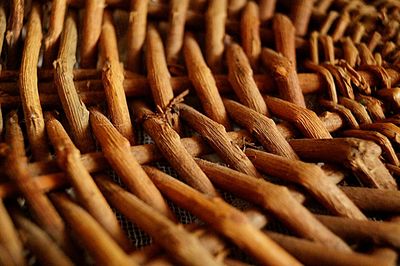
199,132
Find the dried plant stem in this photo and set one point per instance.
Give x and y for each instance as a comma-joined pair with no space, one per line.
267,8
378,138
148,153
113,78
28,86
327,24
173,149
9,237
304,119
300,14
329,80
241,78
57,15
342,23
47,252
91,30
180,244
390,130
14,29
136,34
361,156
157,70
69,159
218,139
94,238
250,33
262,127
223,218
358,110
374,200
75,110
315,254
373,105
385,233
3,25
350,51
42,209
204,83
285,76
345,113
276,199
215,19
309,176
176,30
135,85
284,35
116,150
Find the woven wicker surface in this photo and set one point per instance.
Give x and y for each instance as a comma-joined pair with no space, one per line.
199,132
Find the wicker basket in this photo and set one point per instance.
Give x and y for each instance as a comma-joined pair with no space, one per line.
219,132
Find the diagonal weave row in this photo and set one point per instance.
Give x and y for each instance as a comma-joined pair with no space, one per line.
272,132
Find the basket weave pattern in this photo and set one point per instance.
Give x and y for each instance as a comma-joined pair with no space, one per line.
199,132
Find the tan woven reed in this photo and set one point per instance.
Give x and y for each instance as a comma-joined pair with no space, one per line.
199,132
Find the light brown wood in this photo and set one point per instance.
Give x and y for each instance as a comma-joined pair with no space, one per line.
361,156
113,78
304,119
309,176
95,239
223,218
91,30
75,110
177,19
136,34
17,169
51,41
9,237
44,248
216,136
263,128
276,199
203,82
250,33
90,197
240,76
284,35
172,149
215,19
285,76
180,244
28,86
311,253
116,150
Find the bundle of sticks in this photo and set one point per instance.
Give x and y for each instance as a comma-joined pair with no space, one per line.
199,132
